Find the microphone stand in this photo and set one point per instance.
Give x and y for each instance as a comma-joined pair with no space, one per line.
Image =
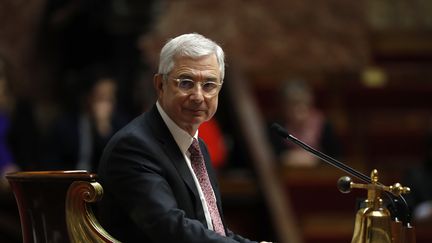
405,217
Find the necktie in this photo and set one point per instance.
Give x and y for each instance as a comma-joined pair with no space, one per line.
198,166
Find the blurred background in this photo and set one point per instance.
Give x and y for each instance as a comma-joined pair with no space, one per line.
351,78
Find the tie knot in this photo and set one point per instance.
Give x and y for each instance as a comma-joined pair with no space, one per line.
194,149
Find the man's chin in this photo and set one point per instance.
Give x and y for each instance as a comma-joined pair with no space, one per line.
193,120
198,121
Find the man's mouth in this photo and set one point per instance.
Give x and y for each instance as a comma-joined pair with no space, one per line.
195,110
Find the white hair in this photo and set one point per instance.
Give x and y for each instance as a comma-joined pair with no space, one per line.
190,45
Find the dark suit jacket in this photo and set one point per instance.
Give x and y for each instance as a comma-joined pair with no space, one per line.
149,192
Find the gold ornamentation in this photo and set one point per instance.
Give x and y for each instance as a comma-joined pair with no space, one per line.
81,223
373,223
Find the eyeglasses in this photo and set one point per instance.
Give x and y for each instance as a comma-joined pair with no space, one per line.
209,88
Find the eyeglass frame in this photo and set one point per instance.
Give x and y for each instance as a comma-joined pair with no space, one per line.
206,94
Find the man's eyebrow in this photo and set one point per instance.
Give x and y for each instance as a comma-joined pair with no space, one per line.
211,78
191,76
185,75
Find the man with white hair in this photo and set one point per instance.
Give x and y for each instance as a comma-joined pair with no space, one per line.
156,172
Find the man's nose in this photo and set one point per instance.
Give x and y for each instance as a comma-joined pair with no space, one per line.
197,93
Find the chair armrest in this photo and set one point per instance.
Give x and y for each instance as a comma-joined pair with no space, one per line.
81,223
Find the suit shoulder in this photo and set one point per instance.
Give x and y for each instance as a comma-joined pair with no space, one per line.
135,129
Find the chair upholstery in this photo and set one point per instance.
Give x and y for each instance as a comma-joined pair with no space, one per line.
53,206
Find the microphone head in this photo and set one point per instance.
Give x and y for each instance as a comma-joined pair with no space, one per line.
344,184
279,130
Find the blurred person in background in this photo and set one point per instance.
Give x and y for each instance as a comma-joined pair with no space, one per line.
212,135
6,160
78,137
303,120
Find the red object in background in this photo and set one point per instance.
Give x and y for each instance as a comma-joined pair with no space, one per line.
212,135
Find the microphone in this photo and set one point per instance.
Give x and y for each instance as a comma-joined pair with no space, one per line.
394,200
283,133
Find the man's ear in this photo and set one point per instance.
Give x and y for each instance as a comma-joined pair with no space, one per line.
158,82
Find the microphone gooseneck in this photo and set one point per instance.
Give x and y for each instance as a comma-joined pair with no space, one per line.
284,133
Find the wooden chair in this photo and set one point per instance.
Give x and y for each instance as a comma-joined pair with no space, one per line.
53,206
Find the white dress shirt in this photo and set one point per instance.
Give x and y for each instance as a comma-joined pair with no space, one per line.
184,141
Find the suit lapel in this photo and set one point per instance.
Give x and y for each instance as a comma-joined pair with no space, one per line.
209,168
164,136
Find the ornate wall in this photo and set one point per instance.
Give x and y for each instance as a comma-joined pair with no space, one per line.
271,39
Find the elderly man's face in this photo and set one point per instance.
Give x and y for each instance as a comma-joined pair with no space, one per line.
188,111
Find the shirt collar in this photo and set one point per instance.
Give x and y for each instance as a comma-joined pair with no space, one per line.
182,138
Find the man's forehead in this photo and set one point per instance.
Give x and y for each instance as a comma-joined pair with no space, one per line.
204,63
